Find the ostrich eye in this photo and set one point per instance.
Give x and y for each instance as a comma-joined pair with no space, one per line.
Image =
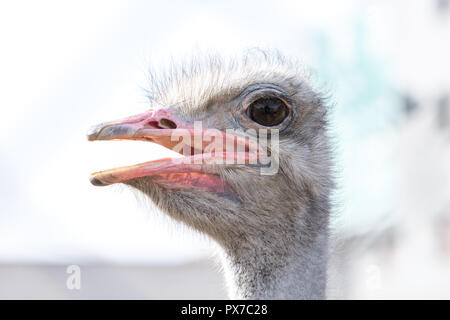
268,112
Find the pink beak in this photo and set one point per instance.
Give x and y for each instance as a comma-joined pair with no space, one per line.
199,167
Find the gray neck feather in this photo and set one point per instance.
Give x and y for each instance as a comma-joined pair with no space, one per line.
262,270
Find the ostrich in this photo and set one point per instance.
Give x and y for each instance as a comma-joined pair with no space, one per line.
271,228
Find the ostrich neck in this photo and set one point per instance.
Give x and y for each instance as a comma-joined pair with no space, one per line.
294,271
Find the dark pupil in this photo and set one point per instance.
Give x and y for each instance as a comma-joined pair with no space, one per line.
268,112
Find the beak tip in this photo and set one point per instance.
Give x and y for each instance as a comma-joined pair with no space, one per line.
96,182
92,133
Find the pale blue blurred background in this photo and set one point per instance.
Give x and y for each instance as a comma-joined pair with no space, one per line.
65,65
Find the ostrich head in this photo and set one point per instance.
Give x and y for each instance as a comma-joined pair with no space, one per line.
270,216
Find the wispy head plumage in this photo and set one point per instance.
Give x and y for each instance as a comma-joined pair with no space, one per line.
199,80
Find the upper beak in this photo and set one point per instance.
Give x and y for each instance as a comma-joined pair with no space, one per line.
156,126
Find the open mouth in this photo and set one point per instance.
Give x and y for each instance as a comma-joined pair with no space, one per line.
205,151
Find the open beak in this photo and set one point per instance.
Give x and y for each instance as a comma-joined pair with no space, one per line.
202,156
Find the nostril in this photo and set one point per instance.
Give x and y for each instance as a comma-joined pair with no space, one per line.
153,125
161,124
167,123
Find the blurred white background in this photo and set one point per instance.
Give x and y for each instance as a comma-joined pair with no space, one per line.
65,65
